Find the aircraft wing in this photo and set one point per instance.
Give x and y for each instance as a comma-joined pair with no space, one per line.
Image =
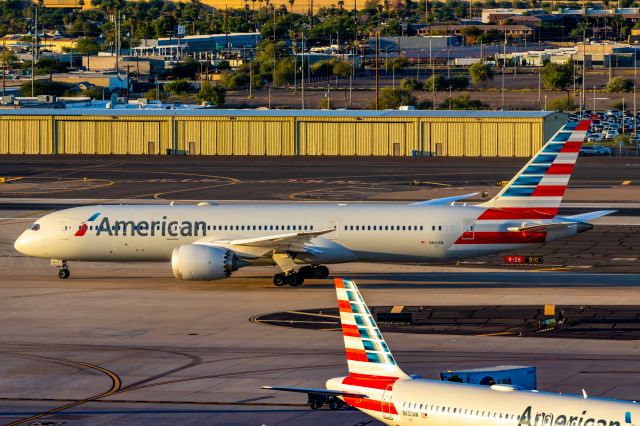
287,242
316,391
445,200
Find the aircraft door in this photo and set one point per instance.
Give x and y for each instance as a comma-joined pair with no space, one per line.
386,403
468,231
63,229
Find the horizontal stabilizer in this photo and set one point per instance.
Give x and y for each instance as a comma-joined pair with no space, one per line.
316,391
541,227
445,200
587,217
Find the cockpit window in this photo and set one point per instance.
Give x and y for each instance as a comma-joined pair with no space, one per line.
34,227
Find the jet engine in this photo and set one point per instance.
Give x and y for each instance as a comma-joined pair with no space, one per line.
196,262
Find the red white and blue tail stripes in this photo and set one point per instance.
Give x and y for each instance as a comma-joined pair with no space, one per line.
367,352
537,190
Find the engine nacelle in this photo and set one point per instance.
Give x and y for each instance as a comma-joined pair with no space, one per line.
197,262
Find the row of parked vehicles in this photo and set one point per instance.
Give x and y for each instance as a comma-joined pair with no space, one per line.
605,127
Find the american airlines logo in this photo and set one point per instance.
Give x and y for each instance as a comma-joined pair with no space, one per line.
83,228
143,228
527,419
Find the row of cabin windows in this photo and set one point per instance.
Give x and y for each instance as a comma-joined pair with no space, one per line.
383,228
239,227
460,411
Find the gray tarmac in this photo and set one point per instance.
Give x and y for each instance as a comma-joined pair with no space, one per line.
129,344
283,178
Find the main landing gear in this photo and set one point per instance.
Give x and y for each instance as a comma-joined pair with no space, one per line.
63,273
295,279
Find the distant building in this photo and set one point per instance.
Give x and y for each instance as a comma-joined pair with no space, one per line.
48,42
512,32
142,66
196,46
415,42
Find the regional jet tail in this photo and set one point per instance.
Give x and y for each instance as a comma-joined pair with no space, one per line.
378,387
210,242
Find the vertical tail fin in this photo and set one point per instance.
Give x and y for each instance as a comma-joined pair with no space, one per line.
536,191
367,353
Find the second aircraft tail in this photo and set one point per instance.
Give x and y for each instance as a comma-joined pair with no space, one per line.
536,191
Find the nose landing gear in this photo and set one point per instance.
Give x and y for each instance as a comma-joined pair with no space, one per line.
63,273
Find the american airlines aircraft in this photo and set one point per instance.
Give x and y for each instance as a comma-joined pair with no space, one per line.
209,242
378,387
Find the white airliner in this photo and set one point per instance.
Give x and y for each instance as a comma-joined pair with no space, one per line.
379,388
209,242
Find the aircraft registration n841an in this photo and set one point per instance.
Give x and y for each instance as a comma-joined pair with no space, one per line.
209,242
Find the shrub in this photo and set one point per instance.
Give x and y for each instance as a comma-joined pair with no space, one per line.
562,104
411,84
463,102
212,94
178,87
394,98
438,81
620,84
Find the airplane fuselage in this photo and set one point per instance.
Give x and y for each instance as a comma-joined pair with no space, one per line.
360,232
434,403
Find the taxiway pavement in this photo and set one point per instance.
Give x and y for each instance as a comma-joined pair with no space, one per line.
129,344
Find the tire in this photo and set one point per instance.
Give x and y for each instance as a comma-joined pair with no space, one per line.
306,272
333,404
295,280
314,405
279,280
321,272
581,154
63,274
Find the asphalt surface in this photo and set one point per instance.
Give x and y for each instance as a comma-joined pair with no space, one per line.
275,178
574,322
129,344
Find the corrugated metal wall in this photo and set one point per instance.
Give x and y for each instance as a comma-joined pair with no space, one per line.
277,135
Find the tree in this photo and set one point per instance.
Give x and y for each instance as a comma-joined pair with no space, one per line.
620,84
481,73
212,94
557,76
460,82
471,34
437,82
391,98
44,87
87,46
284,72
342,69
178,87
411,84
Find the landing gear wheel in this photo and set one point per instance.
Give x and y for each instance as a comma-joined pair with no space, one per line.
306,272
295,280
279,280
320,272
63,273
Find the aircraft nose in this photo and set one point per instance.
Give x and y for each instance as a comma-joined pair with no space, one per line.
21,244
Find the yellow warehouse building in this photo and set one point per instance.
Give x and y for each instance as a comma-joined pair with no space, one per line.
276,132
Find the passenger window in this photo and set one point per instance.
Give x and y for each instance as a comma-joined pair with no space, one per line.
305,227
357,227
288,227
392,227
369,228
312,227
386,227
421,227
439,228
351,228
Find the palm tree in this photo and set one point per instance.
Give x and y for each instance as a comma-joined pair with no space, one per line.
341,5
291,5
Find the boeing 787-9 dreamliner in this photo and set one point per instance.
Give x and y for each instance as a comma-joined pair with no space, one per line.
209,242
378,387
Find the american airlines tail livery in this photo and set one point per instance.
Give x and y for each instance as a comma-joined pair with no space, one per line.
378,387
209,242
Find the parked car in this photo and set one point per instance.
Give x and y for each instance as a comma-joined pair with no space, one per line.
595,137
610,133
594,150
